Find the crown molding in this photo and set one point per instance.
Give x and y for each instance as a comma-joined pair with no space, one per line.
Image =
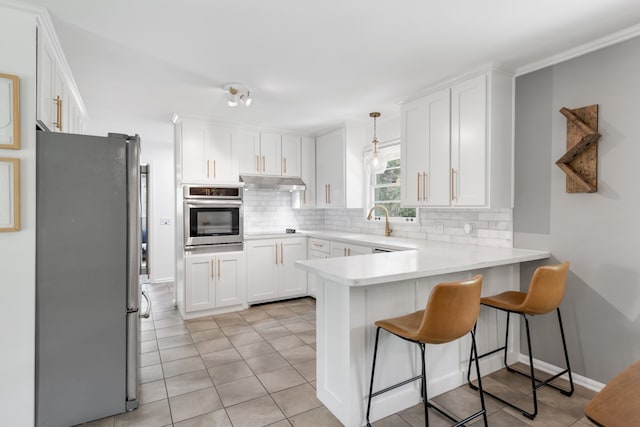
602,42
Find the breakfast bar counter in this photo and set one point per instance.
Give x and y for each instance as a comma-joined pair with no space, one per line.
353,292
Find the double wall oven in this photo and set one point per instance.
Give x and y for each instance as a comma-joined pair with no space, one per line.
213,217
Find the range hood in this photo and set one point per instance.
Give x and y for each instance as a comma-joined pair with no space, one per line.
277,183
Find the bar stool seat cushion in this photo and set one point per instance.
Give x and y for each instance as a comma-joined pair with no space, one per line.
451,312
404,326
545,294
510,300
618,403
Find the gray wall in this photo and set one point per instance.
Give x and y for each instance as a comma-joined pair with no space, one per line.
598,233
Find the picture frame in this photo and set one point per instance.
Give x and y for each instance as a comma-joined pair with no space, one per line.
9,194
9,112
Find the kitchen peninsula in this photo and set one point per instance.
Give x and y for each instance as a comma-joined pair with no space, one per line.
353,292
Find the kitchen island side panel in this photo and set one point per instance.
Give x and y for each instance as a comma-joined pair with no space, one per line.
346,336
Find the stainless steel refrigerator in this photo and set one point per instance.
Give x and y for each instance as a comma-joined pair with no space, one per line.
87,277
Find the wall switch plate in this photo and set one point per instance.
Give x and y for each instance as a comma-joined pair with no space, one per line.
165,221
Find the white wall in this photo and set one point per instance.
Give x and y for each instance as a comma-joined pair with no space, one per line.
159,157
156,140
17,249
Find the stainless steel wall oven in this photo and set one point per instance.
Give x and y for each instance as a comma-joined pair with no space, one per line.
213,217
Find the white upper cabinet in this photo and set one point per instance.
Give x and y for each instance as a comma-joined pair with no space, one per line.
469,142
340,168
456,144
291,155
207,152
271,153
307,199
425,139
268,153
59,106
248,143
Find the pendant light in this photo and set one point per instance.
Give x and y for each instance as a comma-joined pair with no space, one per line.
376,165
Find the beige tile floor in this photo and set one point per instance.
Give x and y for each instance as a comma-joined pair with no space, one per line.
257,367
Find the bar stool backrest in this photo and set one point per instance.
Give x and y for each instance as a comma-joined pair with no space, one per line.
546,289
451,311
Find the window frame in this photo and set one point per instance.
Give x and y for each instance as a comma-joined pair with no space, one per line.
387,151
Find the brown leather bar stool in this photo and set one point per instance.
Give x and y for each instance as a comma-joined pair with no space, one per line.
617,405
545,294
451,313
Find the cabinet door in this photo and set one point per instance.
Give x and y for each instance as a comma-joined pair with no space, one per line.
414,150
262,270
293,280
308,172
311,278
230,278
346,249
290,155
46,109
330,160
195,166
223,166
271,152
425,150
469,142
199,283
248,146
353,250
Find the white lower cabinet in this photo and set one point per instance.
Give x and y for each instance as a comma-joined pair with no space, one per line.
214,280
318,249
271,270
339,249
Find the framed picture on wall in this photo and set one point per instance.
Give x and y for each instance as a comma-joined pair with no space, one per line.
9,194
9,111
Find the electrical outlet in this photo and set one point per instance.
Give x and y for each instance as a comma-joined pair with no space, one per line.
165,221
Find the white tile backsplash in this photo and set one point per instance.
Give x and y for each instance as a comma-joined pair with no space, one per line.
271,211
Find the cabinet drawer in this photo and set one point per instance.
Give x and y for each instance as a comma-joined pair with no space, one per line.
313,254
319,245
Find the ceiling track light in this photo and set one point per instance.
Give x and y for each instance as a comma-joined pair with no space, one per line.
237,93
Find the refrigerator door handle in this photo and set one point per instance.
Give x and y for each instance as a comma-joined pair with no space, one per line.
146,313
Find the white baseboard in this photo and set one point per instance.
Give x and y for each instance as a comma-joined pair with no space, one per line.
552,369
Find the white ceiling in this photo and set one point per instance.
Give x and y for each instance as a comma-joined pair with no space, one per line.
309,64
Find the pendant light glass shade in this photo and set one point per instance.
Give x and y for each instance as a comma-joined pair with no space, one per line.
374,163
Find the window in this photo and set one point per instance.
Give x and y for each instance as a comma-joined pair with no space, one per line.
385,187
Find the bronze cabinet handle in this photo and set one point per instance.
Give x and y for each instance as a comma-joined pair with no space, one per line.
212,269
281,253
257,163
264,163
284,165
424,186
214,169
276,245
208,169
58,122
453,184
418,188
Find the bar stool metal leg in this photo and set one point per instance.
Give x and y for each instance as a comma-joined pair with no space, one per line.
535,382
373,370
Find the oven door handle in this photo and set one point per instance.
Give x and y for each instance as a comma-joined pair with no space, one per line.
217,203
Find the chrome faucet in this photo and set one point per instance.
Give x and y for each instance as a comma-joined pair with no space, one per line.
387,228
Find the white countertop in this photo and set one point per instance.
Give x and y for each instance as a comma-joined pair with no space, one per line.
414,258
